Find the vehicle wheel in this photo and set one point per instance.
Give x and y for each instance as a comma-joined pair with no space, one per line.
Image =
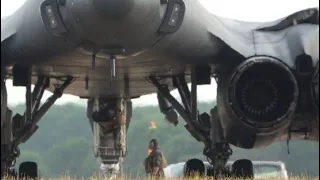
194,167
3,101
242,168
28,170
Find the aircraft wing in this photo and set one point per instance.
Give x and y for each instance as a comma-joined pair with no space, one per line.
271,38
6,31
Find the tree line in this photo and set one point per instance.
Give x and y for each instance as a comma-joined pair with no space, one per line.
63,144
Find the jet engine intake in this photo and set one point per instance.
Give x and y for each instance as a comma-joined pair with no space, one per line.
257,101
263,91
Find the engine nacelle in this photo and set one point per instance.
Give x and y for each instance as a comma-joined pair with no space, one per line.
256,102
315,92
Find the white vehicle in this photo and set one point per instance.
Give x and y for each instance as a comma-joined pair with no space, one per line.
262,169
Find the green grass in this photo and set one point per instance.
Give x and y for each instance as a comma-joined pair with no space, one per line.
196,178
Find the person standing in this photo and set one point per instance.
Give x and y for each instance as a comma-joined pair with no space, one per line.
155,162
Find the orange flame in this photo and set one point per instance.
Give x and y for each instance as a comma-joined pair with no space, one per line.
152,125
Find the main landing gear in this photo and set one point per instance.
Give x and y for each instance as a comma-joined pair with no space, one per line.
20,128
203,127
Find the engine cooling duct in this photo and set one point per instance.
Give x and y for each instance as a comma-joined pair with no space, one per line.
256,101
315,91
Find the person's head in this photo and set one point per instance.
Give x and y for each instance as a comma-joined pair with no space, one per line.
153,144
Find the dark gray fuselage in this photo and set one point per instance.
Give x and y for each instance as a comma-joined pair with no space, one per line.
133,25
89,27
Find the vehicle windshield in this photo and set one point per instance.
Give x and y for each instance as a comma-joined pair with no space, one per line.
264,170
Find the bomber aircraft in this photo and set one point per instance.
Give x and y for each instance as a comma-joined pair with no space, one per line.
112,51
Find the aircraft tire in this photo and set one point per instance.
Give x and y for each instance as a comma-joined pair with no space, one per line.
194,167
242,168
28,170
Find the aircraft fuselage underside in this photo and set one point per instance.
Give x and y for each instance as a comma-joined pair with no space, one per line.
111,52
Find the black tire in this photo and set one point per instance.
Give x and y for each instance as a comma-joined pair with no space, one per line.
194,167
242,168
28,170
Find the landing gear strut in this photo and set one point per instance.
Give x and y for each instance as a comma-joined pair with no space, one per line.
109,119
219,152
203,127
216,148
20,128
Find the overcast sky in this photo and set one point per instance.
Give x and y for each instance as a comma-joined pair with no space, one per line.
246,10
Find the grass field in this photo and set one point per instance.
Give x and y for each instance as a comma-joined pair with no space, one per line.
196,178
